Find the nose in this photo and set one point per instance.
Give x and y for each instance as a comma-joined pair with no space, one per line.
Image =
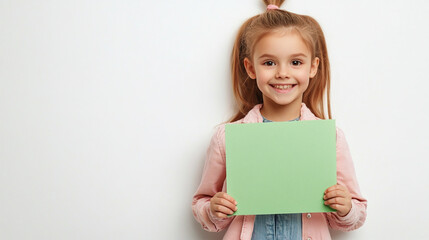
282,72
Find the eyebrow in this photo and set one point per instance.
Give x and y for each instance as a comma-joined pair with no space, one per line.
272,56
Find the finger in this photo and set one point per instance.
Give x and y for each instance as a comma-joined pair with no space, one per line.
341,210
220,215
223,195
342,187
335,187
337,200
335,193
226,203
331,188
338,207
229,198
223,209
218,195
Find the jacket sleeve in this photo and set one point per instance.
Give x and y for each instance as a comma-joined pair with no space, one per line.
212,182
346,176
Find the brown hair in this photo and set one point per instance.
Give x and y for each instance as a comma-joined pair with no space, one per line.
246,92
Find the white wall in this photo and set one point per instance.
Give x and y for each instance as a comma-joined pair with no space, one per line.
107,108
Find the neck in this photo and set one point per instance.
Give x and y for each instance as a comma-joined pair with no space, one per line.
281,113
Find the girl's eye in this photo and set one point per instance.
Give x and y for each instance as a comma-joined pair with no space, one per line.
269,63
296,62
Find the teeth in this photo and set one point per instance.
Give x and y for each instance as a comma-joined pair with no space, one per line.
282,86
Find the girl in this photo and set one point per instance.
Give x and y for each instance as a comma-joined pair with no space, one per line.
280,72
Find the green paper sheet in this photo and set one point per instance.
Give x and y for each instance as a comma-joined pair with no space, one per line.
280,167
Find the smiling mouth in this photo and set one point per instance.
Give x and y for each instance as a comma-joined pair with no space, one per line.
282,86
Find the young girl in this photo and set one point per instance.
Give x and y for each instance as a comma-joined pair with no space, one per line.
280,72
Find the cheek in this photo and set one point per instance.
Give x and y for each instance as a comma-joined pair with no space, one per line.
263,75
303,77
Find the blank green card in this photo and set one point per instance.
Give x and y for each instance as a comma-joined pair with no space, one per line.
280,167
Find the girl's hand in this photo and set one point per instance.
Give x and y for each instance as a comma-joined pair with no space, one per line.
339,198
221,204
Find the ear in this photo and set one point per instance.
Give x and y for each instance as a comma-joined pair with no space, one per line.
314,67
250,69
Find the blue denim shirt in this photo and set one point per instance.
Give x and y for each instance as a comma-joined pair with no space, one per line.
277,226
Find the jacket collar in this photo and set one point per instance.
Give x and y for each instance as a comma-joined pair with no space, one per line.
254,115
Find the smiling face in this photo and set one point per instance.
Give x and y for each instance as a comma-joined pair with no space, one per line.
282,67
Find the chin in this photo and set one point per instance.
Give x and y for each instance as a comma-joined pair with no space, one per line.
284,103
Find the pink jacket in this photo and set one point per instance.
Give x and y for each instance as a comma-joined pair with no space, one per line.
314,225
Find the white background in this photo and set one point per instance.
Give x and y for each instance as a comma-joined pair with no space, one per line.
107,109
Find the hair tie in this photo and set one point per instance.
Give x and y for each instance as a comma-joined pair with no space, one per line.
272,7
